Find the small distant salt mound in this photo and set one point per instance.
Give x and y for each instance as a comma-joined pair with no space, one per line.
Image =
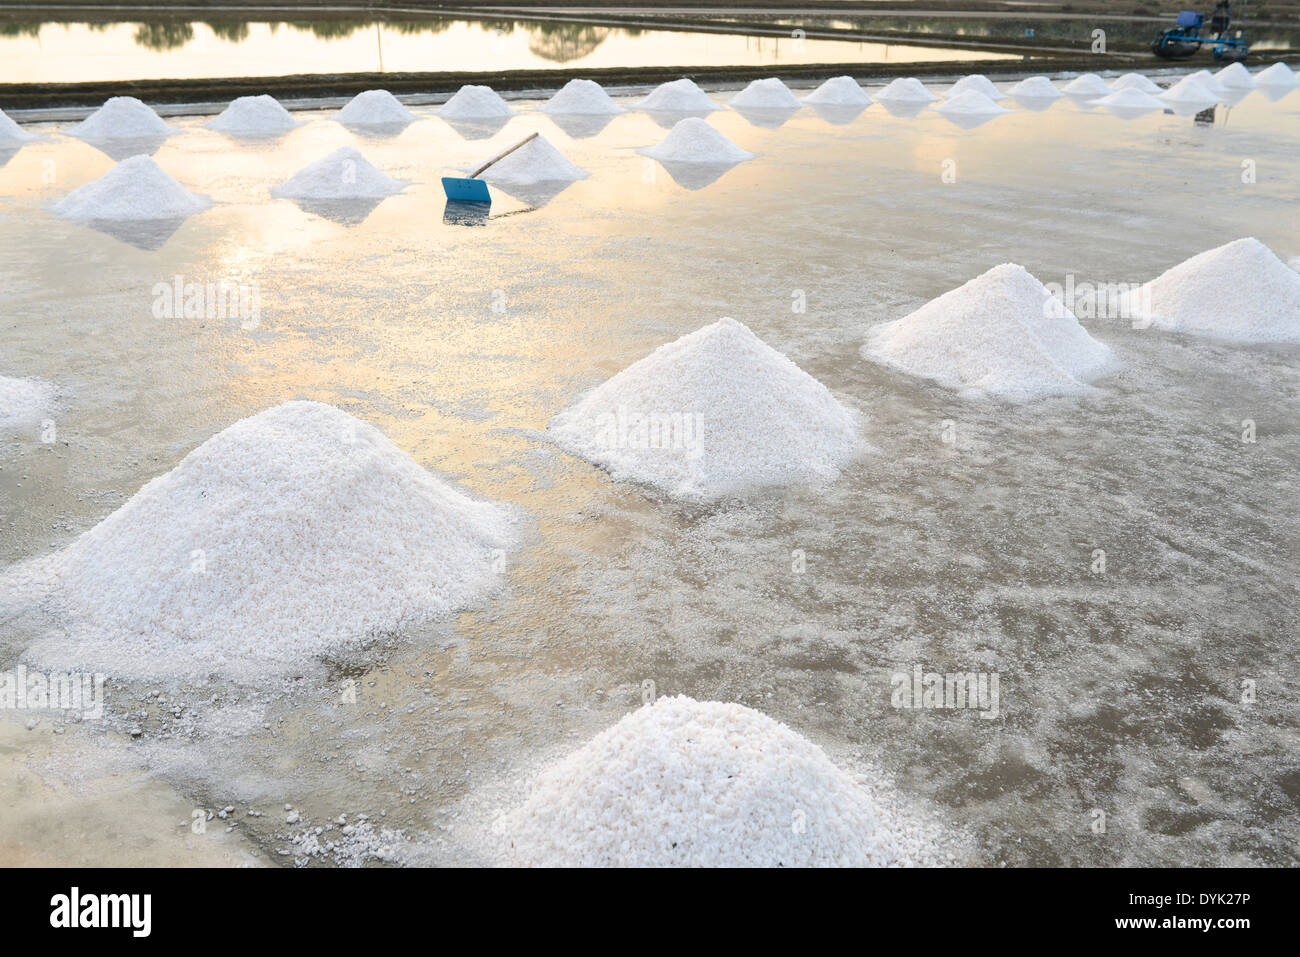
122,117
1235,76
1210,82
344,174
1240,292
678,96
838,91
1190,92
1087,85
685,783
11,133
1035,88
253,115
970,103
1002,334
134,189
475,103
905,90
1278,75
693,140
1130,102
536,162
1135,81
23,402
374,108
582,98
768,94
292,533
977,82
715,413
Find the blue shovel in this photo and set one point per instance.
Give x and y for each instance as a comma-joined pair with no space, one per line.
474,190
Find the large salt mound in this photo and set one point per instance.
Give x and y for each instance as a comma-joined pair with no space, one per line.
536,162
1191,93
252,115
1001,334
1240,292
374,108
475,103
1235,76
685,783
768,94
1086,85
1036,88
343,175
712,414
905,90
291,533
1130,102
22,401
970,103
838,91
135,189
122,117
693,140
1279,75
582,98
678,96
977,82
1135,81
11,133
1210,82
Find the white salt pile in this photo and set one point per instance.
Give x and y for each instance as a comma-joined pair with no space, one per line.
1035,88
838,91
970,103
475,103
374,108
23,401
905,90
253,115
1135,81
685,783
135,189
582,98
693,140
122,117
1210,82
714,413
977,82
768,94
679,96
291,533
11,133
1002,334
343,175
536,162
1191,93
1235,76
1240,292
1130,102
1278,75
1087,85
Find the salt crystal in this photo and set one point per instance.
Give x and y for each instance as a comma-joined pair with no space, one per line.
1136,81
343,175
23,402
1235,76
135,189
1035,88
1130,102
536,162
475,103
1190,93
906,90
678,96
11,133
1087,85
582,98
374,108
976,82
768,94
1278,75
838,91
693,140
970,103
1210,82
122,117
253,115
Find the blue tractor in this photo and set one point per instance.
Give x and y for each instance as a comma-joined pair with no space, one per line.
1186,39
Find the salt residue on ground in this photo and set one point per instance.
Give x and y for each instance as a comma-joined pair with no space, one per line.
717,412
767,94
1135,81
678,96
343,175
252,116
135,189
475,103
693,140
1086,85
838,91
292,533
23,402
374,108
1240,292
977,82
685,783
1035,88
536,162
11,133
582,98
1002,334
122,117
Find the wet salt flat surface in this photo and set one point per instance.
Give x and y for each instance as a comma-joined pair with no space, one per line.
965,541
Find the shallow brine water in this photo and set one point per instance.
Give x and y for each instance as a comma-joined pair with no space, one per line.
966,540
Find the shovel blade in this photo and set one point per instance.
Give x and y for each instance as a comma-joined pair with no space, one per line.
466,190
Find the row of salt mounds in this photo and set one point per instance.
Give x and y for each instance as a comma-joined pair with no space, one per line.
1240,292
343,175
732,414
678,96
1086,86
1136,81
582,98
11,133
685,783
1279,75
135,189
1035,88
315,533
905,90
23,401
693,140
768,94
253,116
1002,334
839,91
475,103
122,118
1130,103
977,82
536,162
374,108
1235,76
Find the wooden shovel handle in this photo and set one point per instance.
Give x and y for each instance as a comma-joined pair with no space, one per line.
500,156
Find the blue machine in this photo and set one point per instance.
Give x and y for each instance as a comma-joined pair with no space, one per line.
1185,39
